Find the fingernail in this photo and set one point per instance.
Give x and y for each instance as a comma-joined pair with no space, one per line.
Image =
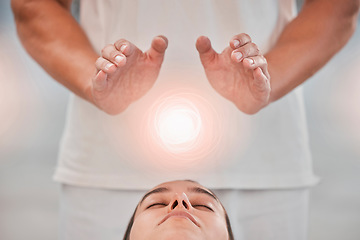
236,43
108,66
118,59
122,48
238,56
250,61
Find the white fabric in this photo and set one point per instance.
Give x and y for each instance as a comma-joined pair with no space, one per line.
267,214
92,214
266,150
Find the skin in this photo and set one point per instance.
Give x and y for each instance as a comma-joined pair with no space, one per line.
56,41
179,198
239,73
125,73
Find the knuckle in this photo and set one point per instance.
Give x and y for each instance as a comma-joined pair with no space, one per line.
98,61
106,49
246,51
121,42
113,53
255,48
103,64
245,37
264,60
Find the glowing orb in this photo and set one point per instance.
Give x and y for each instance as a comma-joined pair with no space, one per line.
178,124
180,128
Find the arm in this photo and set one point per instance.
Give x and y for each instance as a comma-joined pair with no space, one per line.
252,81
56,41
112,81
308,42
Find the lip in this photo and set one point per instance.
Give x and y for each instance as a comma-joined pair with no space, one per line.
179,214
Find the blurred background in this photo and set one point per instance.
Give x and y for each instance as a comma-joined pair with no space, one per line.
32,115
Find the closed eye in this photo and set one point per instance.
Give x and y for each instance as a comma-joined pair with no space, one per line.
202,207
156,205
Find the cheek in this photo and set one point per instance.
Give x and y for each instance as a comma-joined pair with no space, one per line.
215,228
144,226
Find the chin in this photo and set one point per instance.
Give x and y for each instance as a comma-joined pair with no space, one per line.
179,232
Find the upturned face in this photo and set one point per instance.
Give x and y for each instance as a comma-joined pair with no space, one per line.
179,210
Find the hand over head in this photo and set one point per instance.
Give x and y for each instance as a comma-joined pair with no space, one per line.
125,73
239,73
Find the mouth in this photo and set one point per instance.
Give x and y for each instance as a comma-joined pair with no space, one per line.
180,214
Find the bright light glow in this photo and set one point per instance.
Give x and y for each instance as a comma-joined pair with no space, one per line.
178,131
178,125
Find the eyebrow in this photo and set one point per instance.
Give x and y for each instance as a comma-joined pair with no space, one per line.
202,190
156,190
164,189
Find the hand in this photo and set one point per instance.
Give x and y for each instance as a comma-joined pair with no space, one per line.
239,73
125,74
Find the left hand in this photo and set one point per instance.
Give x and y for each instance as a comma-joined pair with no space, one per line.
239,73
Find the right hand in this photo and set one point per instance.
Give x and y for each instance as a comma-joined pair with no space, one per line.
240,73
125,74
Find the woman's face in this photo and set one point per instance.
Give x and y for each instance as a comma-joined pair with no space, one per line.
179,210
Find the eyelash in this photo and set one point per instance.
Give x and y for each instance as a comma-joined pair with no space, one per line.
194,206
155,204
200,205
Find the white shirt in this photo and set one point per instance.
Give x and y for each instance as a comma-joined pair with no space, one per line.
227,149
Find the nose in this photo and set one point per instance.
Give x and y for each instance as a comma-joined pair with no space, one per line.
180,201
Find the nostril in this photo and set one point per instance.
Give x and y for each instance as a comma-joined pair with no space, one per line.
174,204
185,204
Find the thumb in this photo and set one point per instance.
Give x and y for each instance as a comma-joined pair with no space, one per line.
157,50
206,52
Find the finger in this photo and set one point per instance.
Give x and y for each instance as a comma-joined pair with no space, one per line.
247,50
157,49
125,47
255,62
105,65
113,55
100,81
206,52
261,81
239,40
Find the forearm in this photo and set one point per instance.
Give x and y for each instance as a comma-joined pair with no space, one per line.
56,41
307,43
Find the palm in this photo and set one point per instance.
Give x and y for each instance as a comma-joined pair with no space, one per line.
129,83
128,80
234,80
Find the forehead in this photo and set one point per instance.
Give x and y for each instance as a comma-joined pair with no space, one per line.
180,185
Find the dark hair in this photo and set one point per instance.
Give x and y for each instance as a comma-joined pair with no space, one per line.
131,222
129,226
